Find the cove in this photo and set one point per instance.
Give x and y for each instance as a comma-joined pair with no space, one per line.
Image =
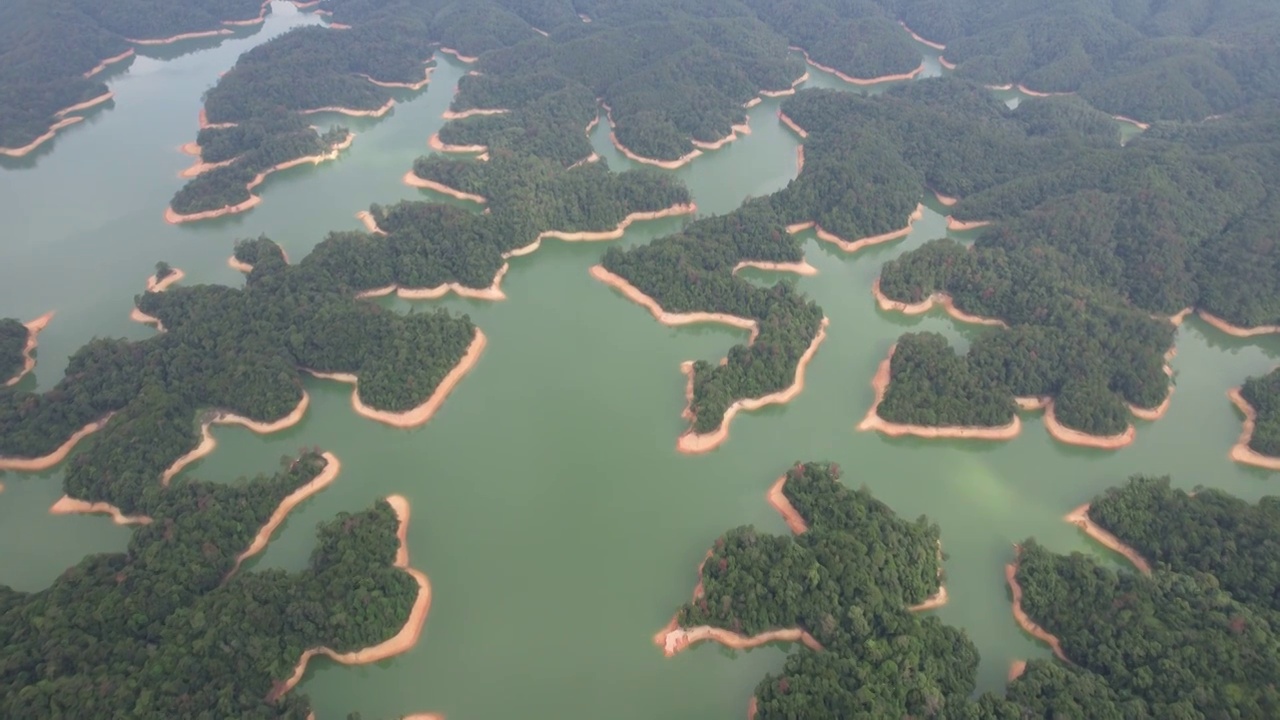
557,522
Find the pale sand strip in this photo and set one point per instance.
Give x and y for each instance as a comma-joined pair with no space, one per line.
421,414
493,292
922,41
352,112
29,362
778,501
1028,91
109,62
1241,452
944,200
939,298
319,482
426,78
789,91
31,146
852,246
664,164
946,63
221,417
1153,414
795,127
799,159
474,112
203,121
402,642
435,143
1006,86
752,102
860,81
634,294
262,16
67,505
370,223
955,225
337,25
1064,434
1236,330
466,59
203,167
691,443
1016,669
1136,123
91,102
174,218
58,455
1024,620
180,38
235,263
1080,518
873,421
153,285
799,268
744,128
412,180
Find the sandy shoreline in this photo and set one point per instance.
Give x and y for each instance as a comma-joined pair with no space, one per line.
180,38
1024,620
1064,434
922,41
778,501
202,119
1035,94
946,63
412,180
861,81
691,443
1016,669
474,112
319,482
493,292
783,93
262,16
401,642
435,143
61,121
627,152
466,59
173,218
352,112
29,362
370,223
1136,123
58,455
222,417
735,132
426,79
944,200
634,294
873,421
799,268
1236,330
422,413
955,225
795,127
67,505
154,285
942,299
201,167
109,62
852,246
1080,518
1241,452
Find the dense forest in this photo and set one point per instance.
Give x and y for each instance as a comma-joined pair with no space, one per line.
223,349
933,386
1196,639
169,629
1092,240
1146,60
13,345
1263,394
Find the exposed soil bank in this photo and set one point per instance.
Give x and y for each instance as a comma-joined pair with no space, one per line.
944,200
62,121
29,361
860,81
262,16
1235,330
109,62
203,120
961,225
873,421
1080,518
352,112
474,112
422,413
778,501
946,63
68,505
664,164
1024,620
1064,434
180,38
789,91
1032,93
736,131
426,78
1241,452
435,143
799,268
221,417
58,455
634,294
292,500
943,299
402,642
1016,668
934,601
412,180
173,218
852,246
795,127
467,59
691,443
922,41
91,102
160,285
1136,123
493,292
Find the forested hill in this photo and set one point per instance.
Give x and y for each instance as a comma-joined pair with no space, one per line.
1092,238
1196,639
1147,60
160,631
47,47
223,350
13,344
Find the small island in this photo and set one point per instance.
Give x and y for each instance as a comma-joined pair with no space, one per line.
17,344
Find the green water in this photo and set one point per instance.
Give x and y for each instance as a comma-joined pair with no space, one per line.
558,525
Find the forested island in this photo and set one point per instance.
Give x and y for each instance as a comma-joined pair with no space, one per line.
1193,639
1259,400
227,355
52,50
17,345
1095,246
106,637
